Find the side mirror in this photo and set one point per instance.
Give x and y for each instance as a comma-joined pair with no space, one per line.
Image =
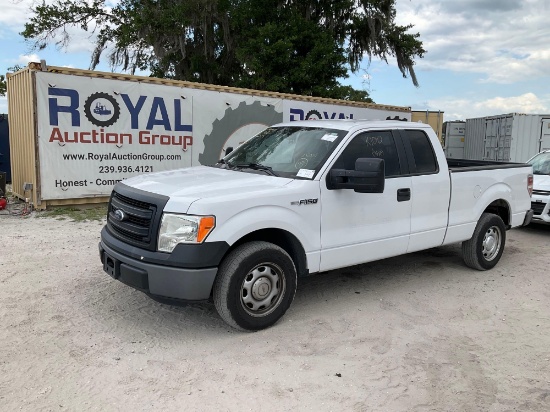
368,177
228,150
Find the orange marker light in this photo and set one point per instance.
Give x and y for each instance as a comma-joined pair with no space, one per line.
206,225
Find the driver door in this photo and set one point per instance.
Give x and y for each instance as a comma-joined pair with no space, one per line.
362,227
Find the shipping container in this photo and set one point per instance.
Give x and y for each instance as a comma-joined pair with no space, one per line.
433,118
510,137
453,139
76,133
5,164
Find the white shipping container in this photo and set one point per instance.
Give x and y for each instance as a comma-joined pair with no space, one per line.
453,133
510,137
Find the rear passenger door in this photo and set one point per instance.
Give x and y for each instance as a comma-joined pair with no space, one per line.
362,227
430,192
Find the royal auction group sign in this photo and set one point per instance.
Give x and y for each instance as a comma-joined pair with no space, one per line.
96,132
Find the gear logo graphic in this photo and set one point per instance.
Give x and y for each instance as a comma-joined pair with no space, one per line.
314,115
232,120
101,109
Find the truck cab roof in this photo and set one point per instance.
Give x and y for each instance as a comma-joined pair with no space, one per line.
350,124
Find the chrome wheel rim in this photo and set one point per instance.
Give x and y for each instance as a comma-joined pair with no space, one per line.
491,243
262,289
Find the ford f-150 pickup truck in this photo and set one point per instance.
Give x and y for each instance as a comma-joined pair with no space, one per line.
301,198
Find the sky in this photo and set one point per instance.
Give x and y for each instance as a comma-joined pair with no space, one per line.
484,57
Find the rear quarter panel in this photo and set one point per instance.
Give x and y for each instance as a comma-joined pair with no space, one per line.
473,191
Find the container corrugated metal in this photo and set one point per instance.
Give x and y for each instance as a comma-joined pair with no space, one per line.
512,137
474,138
22,123
526,136
545,134
433,118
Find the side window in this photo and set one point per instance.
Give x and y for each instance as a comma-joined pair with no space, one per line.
423,153
371,145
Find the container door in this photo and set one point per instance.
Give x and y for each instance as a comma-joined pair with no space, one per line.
505,139
491,128
545,135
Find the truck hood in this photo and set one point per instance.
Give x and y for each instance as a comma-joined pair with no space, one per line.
186,186
541,182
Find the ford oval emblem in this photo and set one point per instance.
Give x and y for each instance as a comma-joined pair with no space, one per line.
119,215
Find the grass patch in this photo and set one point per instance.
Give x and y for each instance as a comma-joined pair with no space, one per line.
76,214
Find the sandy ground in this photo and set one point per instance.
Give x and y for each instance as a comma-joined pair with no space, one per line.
416,333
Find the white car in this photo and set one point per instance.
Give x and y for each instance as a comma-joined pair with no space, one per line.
540,201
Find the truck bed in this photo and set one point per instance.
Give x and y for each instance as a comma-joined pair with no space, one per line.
475,184
466,165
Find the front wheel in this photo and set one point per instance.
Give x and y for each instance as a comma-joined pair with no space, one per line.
255,286
484,249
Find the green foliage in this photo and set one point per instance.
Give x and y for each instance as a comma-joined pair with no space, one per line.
294,46
3,82
76,214
3,86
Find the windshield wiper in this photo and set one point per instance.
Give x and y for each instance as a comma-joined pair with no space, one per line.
254,166
223,164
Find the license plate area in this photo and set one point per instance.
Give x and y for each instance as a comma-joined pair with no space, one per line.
111,266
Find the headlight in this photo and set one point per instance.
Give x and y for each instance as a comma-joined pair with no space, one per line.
176,229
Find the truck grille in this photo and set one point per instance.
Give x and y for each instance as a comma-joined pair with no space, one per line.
537,207
541,192
134,216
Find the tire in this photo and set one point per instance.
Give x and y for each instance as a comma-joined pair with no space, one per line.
250,272
484,249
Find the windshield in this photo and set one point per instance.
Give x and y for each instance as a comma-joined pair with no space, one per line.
541,164
292,151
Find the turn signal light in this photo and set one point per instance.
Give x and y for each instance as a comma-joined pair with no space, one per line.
206,225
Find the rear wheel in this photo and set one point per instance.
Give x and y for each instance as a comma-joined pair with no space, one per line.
484,249
255,286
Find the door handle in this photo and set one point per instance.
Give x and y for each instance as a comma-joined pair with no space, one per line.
403,195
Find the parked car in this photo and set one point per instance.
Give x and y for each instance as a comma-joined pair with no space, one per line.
540,202
301,198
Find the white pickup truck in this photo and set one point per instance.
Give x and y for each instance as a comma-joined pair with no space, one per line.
540,202
301,198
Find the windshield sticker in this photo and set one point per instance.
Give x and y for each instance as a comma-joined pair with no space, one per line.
305,173
330,137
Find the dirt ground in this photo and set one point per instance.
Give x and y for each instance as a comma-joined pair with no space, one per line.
420,332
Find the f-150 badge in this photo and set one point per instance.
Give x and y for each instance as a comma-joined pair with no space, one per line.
304,202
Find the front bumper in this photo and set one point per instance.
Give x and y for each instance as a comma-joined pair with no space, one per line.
182,281
528,217
541,205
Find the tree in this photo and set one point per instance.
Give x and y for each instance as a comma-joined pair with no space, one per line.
3,81
3,85
295,46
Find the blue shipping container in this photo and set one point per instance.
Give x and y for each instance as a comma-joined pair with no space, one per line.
5,165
